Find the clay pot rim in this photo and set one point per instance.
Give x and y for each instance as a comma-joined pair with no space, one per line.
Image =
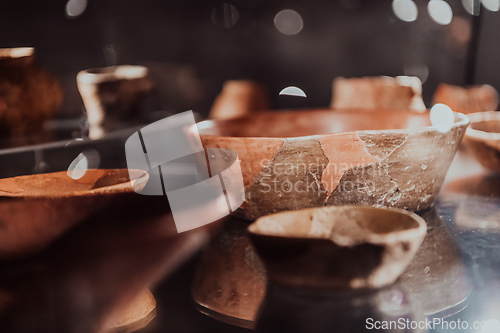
17,52
125,187
480,117
384,238
112,73
460,120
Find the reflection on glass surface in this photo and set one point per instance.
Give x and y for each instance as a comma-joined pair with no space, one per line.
288,22
440,11
405,10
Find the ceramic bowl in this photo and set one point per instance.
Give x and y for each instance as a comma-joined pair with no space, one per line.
483,137
347,247
310,158
36,209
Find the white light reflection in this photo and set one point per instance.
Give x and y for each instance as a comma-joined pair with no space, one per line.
88,159
440,11
225,15
288,22
293,91
493,5
405,10
471,6
419,70
442,117
75,8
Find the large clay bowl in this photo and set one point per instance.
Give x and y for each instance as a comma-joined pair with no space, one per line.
348,247
36,209
310,158
483,137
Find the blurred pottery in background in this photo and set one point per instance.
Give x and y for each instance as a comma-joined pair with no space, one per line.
36,209
348,247
311,158
29,95
402,92
113,96
239,98
468,99
483,138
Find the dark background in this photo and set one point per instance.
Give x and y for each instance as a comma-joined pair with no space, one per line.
191,55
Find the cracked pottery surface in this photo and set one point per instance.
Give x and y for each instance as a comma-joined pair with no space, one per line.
310,158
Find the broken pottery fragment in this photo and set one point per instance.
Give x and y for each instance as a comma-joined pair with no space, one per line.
310,158
347,247
483,137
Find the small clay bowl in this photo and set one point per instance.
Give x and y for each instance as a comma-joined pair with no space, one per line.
36,209
310,158
340,248
483,137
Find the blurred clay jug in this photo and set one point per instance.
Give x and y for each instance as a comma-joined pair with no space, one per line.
29,95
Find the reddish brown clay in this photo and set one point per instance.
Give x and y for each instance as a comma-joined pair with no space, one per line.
239,98
402,92
36,209
483,137
348,247
467,99
29,95
310,158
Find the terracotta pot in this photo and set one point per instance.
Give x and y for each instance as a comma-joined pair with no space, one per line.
239,98
36,209
348,247
29,95
113,96
402,92
311,158
483,137
467,99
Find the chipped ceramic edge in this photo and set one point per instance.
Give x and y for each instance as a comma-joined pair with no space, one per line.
410,233
249,209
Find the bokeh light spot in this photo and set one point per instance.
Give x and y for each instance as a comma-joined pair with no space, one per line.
442,117
288,22
293,91
440,11
471,6
88,159
493,5
75,8
225,15
405,10
419,70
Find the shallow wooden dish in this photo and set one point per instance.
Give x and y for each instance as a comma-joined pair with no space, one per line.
347,247
483,137
36,209
311,158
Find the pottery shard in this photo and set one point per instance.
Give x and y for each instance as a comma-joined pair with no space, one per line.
343,152
404,178
291,180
